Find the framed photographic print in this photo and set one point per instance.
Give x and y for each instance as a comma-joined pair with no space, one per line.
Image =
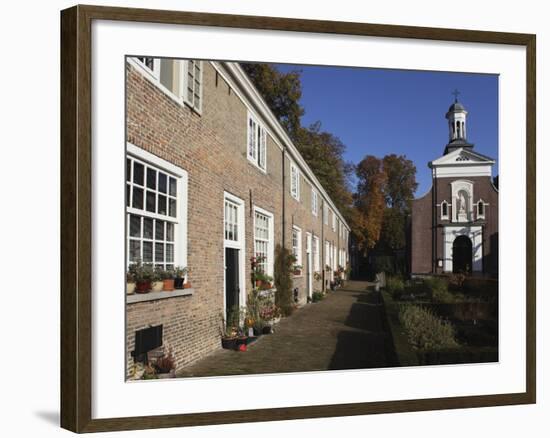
268,219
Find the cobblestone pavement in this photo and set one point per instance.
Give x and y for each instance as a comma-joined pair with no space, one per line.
344,331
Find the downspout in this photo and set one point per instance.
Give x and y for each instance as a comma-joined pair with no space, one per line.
283,235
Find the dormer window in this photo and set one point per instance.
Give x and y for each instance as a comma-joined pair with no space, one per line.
481,209
445,210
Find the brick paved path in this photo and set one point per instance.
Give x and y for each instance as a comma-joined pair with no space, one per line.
344,331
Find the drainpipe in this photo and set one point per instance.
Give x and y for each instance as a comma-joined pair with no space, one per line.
283,228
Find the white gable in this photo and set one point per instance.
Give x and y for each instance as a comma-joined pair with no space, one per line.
461,162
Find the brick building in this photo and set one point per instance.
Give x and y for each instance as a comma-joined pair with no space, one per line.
212,180
454,226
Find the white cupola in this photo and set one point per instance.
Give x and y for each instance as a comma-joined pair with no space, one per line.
456,117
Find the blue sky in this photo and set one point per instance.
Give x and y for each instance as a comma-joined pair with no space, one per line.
379,111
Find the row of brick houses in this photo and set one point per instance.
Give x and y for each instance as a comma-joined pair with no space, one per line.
212,180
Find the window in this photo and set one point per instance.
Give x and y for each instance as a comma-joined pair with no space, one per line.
154,212
257,142
315,251
192,91
294,181
333,221
297,244
327,253
481,209
444,210
231,221
314,205
325,214
150,65
263,240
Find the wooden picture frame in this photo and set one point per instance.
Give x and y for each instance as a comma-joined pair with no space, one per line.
76,218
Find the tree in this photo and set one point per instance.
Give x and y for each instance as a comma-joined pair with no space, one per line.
401,182
281,91
323,152
283,281
370,201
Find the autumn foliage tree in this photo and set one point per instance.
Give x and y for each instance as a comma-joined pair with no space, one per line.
369,201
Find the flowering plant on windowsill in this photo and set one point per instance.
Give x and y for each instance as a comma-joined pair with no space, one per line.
297,269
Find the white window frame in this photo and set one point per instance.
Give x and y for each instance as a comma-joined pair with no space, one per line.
239,244
258,154
155,72
444,216
297,250
314,202
316,254
327,255
333,220
180,221
294,181
270,239
482,215
184,83
325,214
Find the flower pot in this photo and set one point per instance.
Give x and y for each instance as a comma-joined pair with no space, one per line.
258,283
187,285
178,282
130,288
142,287
168,284
229,343
169,375
156,286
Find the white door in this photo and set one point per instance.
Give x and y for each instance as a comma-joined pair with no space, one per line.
309,267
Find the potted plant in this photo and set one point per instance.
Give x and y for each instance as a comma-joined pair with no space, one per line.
317,276
179,279
297,269
168,280
229,329
130,283
187,283
143,274
165,366
156,282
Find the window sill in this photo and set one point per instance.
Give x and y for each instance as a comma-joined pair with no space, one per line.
154,296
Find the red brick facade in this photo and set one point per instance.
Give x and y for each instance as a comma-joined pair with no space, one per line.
427,225
212,147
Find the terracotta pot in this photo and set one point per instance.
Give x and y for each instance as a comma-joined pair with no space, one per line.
156,286
187,285
142,287
130,288
168,284
258,283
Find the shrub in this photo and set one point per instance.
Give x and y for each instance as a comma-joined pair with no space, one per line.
425,330
395,286
438,290
317,296
284,262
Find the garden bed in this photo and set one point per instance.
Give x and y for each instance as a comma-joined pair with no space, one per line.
478,342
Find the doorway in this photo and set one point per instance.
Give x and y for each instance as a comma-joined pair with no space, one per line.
234,294
232,281
309,274
462,255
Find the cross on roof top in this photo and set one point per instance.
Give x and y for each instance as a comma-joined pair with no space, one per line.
456,93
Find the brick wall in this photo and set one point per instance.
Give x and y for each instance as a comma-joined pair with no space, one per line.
211,147
421,224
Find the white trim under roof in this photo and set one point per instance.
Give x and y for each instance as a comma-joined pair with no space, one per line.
461,163
237,75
